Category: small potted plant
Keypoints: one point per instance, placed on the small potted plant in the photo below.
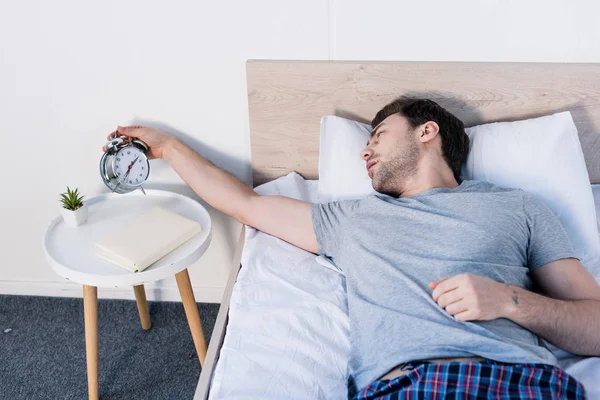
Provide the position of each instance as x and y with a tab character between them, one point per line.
74	210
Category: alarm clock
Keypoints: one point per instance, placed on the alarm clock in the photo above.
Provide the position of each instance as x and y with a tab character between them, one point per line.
124	166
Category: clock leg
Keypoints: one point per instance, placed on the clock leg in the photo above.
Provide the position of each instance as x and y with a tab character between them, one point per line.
142	305
90	308
191	311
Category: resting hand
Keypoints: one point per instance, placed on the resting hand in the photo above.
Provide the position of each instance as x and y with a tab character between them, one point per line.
155	139
470	297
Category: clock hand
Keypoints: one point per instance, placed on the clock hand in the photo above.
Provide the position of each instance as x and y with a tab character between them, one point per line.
128	171
133	162
129	168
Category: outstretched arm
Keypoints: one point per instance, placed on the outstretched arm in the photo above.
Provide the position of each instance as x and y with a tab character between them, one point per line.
283	217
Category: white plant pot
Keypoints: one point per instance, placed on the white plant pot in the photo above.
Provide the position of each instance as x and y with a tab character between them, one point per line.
75	218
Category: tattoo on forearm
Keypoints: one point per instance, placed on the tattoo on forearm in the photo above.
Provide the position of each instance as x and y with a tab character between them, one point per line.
515	296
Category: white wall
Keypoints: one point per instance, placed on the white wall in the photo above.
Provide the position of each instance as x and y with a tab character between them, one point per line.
70	71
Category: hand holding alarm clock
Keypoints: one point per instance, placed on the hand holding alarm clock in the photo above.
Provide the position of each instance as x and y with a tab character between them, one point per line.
125	164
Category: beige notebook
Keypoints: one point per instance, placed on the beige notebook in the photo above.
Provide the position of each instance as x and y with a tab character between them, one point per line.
147	238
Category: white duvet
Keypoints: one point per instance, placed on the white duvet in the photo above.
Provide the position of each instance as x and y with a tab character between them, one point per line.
287	335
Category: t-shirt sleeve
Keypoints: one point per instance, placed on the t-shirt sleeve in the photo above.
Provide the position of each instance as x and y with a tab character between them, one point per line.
329	223
548	240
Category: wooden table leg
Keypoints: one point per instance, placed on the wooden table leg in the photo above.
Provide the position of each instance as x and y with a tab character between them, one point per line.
90	308
142	305
191	311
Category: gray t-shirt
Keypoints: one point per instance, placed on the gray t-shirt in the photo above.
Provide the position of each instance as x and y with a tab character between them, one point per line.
391	248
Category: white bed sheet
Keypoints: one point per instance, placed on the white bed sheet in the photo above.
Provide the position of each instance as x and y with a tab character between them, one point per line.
287	335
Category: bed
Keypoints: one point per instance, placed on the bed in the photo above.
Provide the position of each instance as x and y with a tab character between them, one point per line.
282	327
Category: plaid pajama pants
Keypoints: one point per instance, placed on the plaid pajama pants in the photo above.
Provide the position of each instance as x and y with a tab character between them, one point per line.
486	379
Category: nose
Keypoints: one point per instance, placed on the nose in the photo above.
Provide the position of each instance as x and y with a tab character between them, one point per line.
366	153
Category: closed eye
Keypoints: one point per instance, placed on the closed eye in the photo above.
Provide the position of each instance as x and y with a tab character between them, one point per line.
376	136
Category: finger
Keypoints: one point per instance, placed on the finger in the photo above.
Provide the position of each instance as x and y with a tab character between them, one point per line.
445	286
464	316
127	130
457	307
434	284
449	298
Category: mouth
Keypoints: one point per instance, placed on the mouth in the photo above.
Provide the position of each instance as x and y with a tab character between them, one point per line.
370	165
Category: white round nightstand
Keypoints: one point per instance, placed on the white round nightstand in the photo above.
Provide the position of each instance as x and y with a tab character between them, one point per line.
70	252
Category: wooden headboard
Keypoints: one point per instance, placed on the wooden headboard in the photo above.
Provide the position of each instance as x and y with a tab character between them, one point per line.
287	99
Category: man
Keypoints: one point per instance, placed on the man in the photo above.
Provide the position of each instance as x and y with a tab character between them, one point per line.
438	272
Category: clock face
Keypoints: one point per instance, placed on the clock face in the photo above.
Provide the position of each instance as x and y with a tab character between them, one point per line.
131	166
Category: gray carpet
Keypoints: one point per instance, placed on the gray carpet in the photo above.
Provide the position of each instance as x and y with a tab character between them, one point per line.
43	356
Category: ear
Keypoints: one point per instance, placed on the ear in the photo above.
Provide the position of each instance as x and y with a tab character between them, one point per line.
428	131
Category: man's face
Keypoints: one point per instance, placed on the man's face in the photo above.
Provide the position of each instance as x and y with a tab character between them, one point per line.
391	155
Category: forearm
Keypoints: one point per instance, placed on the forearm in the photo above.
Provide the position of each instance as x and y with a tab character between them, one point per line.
217	187
573	325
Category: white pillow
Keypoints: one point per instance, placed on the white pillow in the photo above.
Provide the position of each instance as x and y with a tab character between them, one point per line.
342	172
542	156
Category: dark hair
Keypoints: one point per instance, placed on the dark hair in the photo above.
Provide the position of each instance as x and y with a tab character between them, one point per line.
455	142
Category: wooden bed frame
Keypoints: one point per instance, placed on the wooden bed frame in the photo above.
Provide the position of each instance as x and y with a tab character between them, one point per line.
286	100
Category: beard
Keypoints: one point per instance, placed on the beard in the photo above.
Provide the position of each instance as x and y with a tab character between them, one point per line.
393	173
